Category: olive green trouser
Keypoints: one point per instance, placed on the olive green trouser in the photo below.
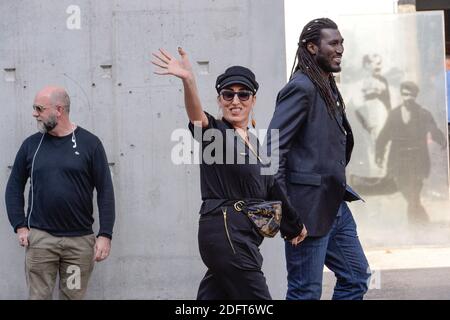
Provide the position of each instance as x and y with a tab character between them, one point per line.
47	255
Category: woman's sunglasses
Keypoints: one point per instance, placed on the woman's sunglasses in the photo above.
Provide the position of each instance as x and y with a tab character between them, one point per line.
228	95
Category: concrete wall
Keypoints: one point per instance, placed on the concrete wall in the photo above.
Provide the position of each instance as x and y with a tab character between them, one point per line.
105	67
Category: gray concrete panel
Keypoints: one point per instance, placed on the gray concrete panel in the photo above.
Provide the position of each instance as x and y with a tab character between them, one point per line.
105	67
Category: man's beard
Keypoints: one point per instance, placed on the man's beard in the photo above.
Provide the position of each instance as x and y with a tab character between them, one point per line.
325	64
48	125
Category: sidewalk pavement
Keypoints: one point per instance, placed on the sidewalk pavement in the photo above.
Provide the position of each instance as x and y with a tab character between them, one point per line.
418	273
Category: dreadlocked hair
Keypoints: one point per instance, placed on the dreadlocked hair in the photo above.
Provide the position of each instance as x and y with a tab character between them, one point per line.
306	64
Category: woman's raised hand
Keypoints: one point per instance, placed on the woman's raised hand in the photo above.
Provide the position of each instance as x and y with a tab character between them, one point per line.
181	68
170	66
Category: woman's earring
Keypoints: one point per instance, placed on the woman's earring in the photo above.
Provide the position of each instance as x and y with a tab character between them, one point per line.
253	120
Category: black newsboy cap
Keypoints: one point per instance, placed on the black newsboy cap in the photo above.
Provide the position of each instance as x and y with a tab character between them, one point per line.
237	75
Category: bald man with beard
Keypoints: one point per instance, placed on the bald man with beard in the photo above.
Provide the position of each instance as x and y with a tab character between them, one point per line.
64	163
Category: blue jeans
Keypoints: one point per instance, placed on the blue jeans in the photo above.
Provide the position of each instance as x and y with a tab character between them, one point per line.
340	250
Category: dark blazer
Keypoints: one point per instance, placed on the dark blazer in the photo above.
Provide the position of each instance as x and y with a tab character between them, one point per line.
314	149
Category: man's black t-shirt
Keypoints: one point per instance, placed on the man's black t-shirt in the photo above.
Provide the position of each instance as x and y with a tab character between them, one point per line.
65	173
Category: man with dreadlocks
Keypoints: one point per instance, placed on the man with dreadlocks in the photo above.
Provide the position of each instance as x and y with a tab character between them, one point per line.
314	147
